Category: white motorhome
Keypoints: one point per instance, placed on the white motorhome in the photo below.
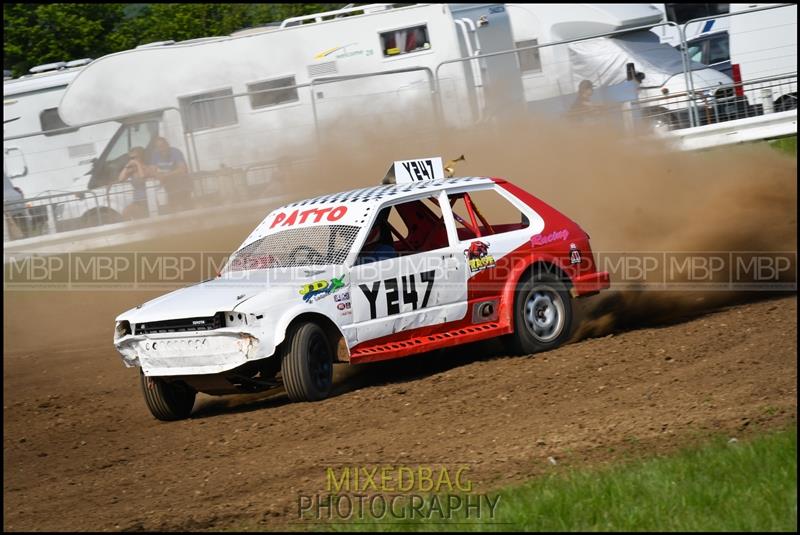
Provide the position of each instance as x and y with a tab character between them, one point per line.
59	158
298	66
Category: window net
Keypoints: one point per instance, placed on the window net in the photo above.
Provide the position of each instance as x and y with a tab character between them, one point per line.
311	246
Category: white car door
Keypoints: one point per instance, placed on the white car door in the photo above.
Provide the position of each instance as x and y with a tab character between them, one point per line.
414	288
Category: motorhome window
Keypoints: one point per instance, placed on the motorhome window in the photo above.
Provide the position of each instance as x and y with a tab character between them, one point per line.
51	120
718	50
682	13
397	42
209	110
270	93
696	52
529	60
133	135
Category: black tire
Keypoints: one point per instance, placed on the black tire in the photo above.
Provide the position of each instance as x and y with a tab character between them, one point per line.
307	363
167	401
542	315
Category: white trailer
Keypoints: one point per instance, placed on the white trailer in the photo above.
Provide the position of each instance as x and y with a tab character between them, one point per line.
764	45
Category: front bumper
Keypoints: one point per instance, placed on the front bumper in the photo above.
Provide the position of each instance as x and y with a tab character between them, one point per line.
189	353
590	284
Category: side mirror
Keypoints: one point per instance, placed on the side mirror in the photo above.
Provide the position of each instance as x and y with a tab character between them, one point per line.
631	74
630	71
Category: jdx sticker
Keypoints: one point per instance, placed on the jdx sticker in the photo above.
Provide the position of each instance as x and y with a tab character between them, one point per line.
394	291
315	291
478	256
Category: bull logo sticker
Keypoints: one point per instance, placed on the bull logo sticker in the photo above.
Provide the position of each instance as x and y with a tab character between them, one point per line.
314	291
478	257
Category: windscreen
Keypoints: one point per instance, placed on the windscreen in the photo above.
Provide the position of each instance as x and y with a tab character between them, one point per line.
310	246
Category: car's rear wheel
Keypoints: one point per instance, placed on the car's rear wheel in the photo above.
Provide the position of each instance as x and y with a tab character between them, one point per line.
307	363
167	400
542	314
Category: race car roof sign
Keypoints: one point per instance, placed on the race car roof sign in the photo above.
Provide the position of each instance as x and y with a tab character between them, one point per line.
406	171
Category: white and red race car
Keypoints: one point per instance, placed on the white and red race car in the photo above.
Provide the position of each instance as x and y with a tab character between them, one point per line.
360	276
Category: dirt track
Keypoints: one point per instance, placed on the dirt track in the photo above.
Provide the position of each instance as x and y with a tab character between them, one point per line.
81	451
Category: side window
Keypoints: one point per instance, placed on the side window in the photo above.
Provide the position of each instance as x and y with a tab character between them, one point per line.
208	110
122	144
397	42
51	120
484	213
404	229
718	50
529	60
133	135
271	92
696	52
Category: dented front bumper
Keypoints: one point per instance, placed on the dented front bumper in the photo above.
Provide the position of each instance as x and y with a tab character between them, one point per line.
189	353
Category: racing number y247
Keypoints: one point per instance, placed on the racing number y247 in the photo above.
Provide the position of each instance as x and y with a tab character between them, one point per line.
394	291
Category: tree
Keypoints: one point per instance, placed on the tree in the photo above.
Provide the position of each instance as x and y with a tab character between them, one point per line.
45	33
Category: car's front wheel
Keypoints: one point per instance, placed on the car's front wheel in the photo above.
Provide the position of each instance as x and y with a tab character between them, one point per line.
542	315
307	363
167	400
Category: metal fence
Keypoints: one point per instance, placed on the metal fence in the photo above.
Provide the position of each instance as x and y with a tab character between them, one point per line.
259	158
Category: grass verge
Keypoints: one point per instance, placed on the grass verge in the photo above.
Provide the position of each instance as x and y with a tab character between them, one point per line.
723	486
786	144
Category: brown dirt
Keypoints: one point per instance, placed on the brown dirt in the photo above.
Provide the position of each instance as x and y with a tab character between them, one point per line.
81	451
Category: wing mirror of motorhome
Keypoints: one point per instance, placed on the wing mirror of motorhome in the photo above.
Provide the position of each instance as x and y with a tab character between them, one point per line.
631	74
14	162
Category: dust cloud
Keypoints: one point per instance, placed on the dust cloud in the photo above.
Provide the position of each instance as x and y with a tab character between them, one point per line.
631	195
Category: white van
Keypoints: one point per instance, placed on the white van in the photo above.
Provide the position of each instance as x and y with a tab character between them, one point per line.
629	66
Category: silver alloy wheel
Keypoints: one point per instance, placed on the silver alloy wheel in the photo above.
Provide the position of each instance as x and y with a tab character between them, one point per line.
544	313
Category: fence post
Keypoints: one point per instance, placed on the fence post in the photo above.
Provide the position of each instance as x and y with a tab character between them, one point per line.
51	219
687	77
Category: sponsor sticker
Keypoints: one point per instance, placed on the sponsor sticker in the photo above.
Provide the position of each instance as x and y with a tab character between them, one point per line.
310	215
574	254
316	290
478	257
544	239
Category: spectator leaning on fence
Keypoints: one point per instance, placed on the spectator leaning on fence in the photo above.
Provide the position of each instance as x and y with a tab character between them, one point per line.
171	170
137	172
